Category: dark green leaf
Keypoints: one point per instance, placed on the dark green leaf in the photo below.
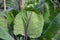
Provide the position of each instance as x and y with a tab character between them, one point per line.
11	15
53	27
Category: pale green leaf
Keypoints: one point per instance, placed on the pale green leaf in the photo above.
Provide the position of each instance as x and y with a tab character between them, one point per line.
3	22
34	21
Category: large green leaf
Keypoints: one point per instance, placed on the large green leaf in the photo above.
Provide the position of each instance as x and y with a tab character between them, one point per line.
36	24
28	21
53	27
18	25
4	35
50	13
3	22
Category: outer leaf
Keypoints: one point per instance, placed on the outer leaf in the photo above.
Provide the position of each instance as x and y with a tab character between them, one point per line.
4	35
53	27
46	16
3	22
52	10
36	23
18	25
50	13
10	15
47	13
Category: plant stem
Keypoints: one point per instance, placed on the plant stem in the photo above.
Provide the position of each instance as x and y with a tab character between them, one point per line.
26	31
22	4
4	5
